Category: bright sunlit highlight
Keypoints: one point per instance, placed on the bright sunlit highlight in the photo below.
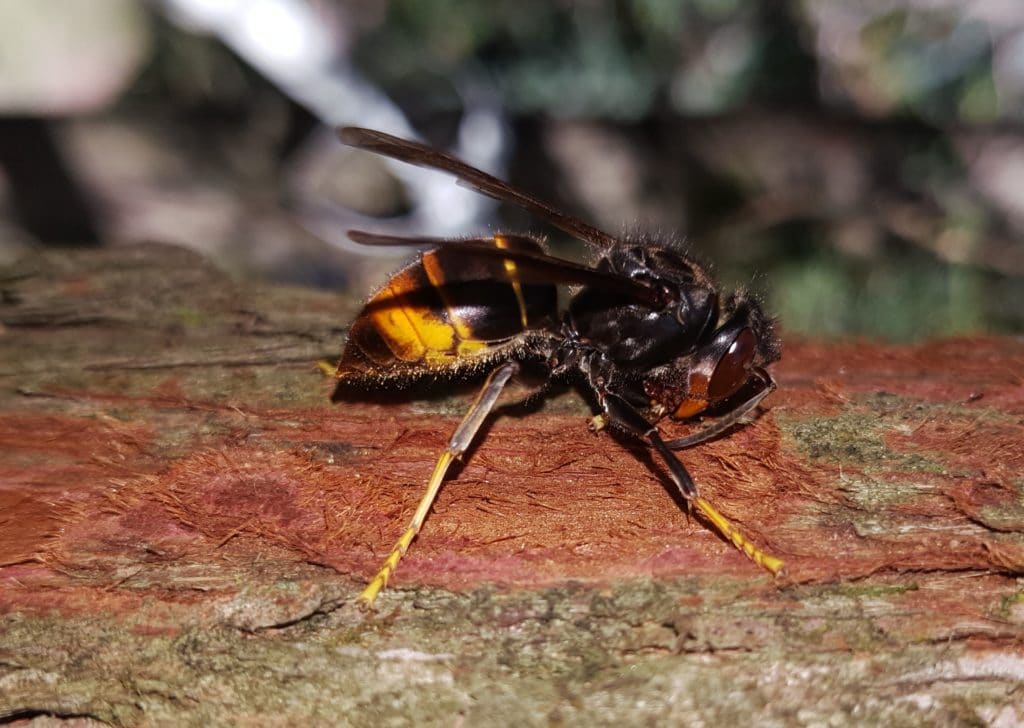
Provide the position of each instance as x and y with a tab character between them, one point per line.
276	28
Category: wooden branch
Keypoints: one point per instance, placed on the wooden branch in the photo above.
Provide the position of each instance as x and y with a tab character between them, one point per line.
185	521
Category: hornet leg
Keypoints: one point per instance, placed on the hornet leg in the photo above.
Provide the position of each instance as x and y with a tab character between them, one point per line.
723	423
460	441
621	413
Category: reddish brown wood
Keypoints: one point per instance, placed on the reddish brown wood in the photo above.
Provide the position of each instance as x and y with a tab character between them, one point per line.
168	451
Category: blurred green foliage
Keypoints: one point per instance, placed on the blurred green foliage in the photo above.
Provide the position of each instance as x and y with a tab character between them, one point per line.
614	60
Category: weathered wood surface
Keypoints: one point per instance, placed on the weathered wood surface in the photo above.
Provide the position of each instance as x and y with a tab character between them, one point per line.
185	521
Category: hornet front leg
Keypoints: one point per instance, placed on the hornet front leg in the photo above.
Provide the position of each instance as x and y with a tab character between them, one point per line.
620	413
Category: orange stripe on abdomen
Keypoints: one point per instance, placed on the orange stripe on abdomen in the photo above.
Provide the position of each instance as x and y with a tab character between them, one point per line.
435	274
412	328
517	288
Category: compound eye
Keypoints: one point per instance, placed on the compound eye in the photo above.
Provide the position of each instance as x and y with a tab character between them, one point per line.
733	369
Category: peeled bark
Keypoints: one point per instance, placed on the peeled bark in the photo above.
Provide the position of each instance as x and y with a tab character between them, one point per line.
185	522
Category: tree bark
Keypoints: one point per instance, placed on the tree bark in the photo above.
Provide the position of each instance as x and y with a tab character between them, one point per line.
186	521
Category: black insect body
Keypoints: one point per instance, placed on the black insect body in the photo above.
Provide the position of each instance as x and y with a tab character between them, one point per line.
648	332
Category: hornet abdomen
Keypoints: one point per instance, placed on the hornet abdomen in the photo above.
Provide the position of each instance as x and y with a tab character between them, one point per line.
445	312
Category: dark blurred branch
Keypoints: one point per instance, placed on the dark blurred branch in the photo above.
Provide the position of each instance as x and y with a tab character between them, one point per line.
47	198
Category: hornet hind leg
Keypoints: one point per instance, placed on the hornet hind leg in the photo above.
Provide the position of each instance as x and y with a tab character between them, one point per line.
460	441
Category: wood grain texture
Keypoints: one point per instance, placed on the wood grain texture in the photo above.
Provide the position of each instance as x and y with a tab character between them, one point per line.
185	522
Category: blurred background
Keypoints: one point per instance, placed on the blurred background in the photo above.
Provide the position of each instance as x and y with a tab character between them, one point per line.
861	165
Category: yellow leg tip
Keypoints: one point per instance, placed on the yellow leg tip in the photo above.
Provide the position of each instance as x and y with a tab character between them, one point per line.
369	594
759	557
390	564
775	565
326	368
